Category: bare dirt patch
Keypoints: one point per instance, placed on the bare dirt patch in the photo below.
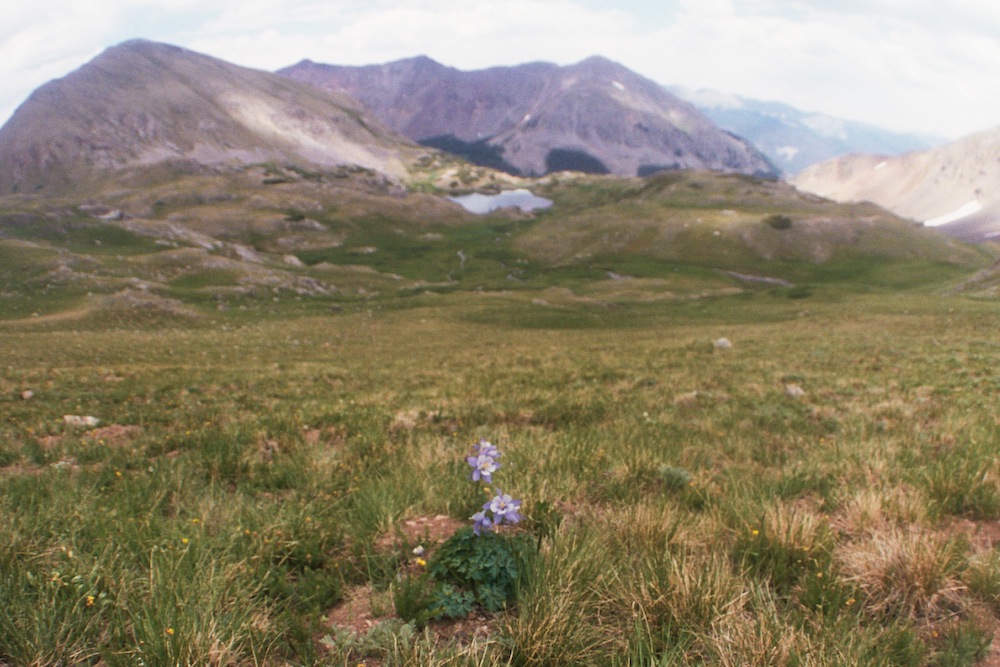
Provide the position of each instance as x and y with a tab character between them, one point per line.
363	607
116	435
982	535
423	531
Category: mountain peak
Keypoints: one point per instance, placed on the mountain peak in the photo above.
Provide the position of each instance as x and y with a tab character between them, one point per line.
599	62
596	115
140	103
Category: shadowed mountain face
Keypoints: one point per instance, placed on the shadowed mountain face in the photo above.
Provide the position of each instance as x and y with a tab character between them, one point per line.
595	116
143	103
953	187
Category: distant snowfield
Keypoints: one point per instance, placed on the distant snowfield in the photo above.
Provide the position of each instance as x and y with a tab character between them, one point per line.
963	211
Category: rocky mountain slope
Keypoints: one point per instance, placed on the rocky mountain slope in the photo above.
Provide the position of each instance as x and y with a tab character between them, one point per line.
793	139
143	103
953	187
595	116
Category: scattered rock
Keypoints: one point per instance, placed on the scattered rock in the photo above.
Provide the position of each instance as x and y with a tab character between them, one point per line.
794	391
292	260
247	254
77	420
27	395
722	344
112	216
686	399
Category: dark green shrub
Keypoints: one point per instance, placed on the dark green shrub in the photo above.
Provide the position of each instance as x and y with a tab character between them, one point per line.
778	221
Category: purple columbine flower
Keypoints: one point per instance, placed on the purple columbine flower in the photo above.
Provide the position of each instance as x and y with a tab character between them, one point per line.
483	468
481	522
504	508
485	448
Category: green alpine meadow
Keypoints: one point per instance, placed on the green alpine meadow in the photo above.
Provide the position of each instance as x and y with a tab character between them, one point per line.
712	468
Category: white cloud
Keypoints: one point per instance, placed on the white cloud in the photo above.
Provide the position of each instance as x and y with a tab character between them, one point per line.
912	64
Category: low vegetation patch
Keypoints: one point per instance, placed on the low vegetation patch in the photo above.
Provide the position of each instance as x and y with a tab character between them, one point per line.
291	454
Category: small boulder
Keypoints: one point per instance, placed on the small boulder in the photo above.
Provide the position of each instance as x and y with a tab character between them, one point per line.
722	344
77	420
794	391
27	395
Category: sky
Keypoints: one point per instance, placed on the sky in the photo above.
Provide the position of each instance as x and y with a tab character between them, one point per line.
909	65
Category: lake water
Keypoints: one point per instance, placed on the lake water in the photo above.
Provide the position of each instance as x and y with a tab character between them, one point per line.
521	198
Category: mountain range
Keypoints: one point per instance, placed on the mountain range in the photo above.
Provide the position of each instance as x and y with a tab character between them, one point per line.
953	187
793	139
595	116
154	177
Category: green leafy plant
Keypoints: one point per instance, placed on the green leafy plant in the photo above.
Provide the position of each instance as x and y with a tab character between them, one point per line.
486	566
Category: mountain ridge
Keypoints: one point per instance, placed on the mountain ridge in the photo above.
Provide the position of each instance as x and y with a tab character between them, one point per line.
794	139
536	118
951	186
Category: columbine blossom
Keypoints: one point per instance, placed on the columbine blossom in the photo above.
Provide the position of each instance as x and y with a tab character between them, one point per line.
485	448
483	467
481	522
504	508
499	509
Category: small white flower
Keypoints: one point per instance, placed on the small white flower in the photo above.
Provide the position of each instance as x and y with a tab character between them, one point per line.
418	551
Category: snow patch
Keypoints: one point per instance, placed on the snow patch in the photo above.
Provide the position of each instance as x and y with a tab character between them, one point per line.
963	211
617	85
881	165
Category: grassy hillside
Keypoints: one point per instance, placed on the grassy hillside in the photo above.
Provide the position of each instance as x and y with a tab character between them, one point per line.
281	239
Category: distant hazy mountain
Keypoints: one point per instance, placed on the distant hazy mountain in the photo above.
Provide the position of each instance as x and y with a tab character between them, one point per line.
956	186
794	139
595	116
143	103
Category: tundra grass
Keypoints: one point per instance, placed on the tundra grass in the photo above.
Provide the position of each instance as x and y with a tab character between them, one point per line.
824	492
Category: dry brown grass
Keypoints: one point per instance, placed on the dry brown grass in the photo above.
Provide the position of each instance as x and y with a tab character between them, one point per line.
912	573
